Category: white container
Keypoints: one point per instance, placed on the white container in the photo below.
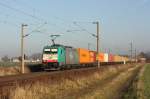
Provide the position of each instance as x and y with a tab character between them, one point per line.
106	57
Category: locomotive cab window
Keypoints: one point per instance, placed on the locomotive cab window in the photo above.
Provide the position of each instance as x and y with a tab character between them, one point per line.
50	51
47	51
54	51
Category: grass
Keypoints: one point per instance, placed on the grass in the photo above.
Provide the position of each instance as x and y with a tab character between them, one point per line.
140	88
11	64
113	89
10	68
13	68
74	88
132	89
8	64
146	82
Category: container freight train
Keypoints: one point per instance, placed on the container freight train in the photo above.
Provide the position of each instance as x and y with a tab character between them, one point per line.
59	56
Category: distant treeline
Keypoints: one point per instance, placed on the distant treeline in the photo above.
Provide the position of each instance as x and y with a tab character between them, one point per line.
34	56
145	55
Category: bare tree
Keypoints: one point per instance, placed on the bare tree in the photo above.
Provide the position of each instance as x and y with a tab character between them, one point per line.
5	58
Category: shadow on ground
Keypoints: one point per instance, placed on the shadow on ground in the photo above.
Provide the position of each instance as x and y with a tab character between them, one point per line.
35	67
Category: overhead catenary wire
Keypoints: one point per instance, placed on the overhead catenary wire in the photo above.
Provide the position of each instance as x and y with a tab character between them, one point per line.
20	11
77	30
29	15
37	29
38	19
24	4
33	16
75	24
9	23
83	29
18	20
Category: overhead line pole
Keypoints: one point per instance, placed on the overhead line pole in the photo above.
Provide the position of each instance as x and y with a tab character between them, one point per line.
98	43
22	47
88	46
135	57
97	36
131	52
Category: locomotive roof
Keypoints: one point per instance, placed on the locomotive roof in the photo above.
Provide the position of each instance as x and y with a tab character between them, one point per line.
53	46
57	45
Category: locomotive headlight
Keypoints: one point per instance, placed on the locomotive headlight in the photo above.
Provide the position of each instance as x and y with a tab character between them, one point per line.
54	50
47	49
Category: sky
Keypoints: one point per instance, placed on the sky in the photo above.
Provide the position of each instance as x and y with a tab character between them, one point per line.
121	22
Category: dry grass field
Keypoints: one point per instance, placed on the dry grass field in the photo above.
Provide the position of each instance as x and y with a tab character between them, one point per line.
10	68
107	84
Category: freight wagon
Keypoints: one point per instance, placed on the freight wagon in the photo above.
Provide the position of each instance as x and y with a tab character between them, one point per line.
59	56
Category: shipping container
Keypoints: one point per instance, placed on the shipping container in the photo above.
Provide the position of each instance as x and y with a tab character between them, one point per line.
92	56
71	56
118	58
101	57
125	59
106	57
84	55
110	58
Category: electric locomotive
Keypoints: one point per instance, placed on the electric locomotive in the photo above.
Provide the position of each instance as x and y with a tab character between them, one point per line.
58	56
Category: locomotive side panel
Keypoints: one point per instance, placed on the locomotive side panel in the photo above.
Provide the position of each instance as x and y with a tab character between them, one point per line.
61	56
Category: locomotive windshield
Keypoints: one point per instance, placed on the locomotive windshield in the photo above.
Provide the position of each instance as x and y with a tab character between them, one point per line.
50	51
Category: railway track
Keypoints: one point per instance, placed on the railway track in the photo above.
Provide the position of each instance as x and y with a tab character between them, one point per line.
8	83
